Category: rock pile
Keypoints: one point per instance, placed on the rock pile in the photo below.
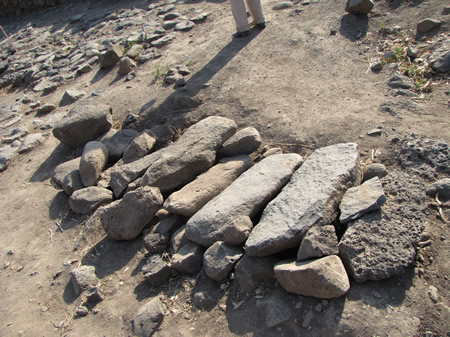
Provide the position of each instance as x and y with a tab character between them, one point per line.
230	213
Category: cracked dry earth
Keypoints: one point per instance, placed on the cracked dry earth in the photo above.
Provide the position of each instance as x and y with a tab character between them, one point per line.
304	82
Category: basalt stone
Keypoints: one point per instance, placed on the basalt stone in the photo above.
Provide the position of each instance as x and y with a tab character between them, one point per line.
374	170
179	163
311	198
246	196
112	56
72	182
148	318
440	188
322	278
139	147
359	6
206	186
156	271
250	272
245	141
377	246
117	141
188	259
93	161
319	241
361	199
124	219
83	124
83	277
220	259
62	170
87	200
237	231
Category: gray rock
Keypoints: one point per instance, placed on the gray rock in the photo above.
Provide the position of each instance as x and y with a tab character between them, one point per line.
124	219
250	271
377	65
188	259
322	278
72	182
62	170
318	241
220	259
155	242
400	82
413	52
87	200
426	25
206	186
156	271
139	147
117	141
148	318
237	231
374	170
171	16
6	153
359	6
178	240
83	277
93	161
135	51
94	295
31	142
82	311
433	294
126	65
310	198
173	78
71	96
83	123
376	247
169	24
204	300
442	187
440	58
163	40
282	5
150	54
169	224
191	154
112	57
246	196
361	199
184	26
166	9
45	109
277	311
245	141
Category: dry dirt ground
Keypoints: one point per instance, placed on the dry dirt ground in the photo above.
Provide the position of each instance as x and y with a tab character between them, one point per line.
303	82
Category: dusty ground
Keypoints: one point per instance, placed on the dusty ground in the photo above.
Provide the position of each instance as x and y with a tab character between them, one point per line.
302	87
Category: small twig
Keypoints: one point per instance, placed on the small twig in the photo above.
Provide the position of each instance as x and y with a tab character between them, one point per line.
59	226
51	235
12	45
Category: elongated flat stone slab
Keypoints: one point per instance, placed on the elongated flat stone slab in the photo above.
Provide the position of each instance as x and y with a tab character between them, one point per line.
180	162
310	198
206	186
247	195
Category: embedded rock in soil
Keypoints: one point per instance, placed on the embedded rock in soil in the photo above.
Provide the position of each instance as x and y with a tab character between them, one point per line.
124	219
440	58
318	241
83	277
83	124
156	271
374	170
93	161
148	318
250	271
87	200
112	56
442	187
361	199
94	294
219	260
322	278
31	141
426	25
246	196
179	163
377	246
310	198
188	259
206	186
71	96
245	141
126	65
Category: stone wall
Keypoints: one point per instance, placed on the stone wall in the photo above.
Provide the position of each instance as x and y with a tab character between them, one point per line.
16	7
